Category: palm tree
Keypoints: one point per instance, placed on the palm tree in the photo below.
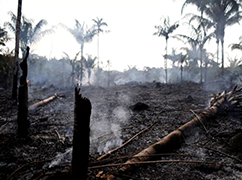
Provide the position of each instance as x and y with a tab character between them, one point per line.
197	42
90	64
73	63
165	30
82	35
221	13
29	34
97	28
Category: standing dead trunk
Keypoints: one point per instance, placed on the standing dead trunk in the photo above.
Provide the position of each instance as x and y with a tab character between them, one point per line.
80	153
201	65
181	72
23	123
165	62
17	36
217	41
222	44
82	60
219	104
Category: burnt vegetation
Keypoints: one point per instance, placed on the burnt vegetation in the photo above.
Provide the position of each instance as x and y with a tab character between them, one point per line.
75	118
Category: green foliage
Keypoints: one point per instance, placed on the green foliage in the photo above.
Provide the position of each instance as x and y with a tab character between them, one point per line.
237	46
29	34
219	15
165	29
82	33
6	62
98	23
3	37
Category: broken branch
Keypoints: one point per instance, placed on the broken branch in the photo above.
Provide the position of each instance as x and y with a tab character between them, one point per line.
220	152
110	152
151	162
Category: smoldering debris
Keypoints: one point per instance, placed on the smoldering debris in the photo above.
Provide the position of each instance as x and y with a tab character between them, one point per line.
61	158
106	129
111	114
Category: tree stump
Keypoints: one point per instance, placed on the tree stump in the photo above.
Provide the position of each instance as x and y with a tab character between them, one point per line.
22	119
80	153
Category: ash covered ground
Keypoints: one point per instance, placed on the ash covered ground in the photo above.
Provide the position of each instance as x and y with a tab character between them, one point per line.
46	153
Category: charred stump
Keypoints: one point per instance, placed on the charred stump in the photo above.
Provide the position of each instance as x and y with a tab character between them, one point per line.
22	119
80	153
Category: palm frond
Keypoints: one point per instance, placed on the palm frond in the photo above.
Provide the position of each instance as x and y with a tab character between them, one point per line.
187	39
13	17
39	25
98	24
234	19
76	56
236	46
10	26
66	55
231	7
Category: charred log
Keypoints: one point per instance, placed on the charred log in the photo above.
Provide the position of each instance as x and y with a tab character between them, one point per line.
23	123
81	142
219	104
33	108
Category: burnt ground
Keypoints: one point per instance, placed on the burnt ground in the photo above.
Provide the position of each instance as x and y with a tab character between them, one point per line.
46	152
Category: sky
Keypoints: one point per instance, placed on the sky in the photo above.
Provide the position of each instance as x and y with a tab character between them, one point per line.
128	39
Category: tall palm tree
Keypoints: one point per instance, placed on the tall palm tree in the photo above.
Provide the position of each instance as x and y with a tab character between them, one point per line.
82	35
197	42
98	23
29	34
221	13
164	30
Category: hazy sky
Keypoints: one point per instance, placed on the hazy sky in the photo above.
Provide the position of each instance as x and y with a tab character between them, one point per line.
130	40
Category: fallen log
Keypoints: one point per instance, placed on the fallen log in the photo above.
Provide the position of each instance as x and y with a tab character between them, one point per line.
219	104
37	105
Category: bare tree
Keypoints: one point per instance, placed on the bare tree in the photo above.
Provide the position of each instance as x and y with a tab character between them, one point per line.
16	67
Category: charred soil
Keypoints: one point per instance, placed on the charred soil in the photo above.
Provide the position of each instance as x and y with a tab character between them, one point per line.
118	113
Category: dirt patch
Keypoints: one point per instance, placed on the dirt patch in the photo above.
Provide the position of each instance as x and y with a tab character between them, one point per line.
46	153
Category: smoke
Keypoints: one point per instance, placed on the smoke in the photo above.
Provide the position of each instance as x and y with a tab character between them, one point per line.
62	157
106	129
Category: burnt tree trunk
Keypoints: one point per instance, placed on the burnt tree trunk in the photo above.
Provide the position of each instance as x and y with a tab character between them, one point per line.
219	104
17	36
22	118
80	153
